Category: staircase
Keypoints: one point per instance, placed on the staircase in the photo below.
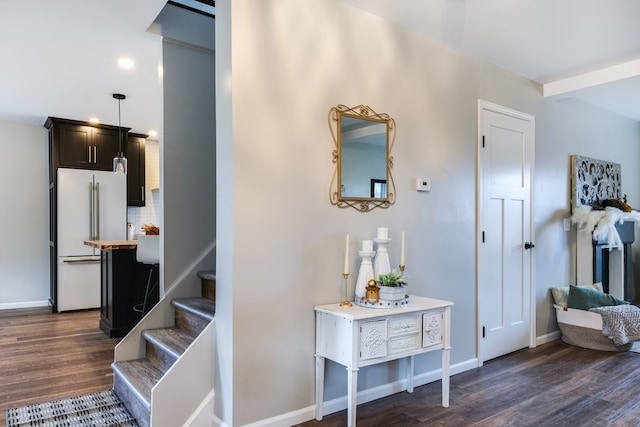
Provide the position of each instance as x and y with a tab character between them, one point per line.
134	380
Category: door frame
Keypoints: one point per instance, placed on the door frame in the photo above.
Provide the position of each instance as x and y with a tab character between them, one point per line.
489	106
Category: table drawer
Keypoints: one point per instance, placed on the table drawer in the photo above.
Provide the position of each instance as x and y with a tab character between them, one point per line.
400	325
404	343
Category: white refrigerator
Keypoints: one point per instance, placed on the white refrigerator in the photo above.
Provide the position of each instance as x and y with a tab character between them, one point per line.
92	205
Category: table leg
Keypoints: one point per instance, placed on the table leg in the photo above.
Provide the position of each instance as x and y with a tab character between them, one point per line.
410	375
319	386
445	377
352	384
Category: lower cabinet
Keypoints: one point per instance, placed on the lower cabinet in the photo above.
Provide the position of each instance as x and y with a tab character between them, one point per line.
122	286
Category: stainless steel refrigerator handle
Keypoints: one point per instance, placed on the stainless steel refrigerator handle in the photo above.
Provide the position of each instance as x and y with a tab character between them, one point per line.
90	210
78	260
97	211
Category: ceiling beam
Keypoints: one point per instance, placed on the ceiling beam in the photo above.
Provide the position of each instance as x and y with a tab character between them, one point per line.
592	78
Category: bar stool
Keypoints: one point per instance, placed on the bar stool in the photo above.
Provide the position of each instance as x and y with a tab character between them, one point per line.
148	253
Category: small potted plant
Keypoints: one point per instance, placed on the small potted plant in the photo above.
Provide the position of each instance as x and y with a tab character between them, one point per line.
392	286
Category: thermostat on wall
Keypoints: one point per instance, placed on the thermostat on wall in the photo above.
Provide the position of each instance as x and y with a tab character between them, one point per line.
423	184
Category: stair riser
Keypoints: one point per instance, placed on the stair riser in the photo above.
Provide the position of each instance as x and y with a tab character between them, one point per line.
159	357
132	401
209	289
189	322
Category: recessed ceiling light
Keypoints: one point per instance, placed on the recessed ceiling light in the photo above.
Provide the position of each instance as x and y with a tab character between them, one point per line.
94	120
126	63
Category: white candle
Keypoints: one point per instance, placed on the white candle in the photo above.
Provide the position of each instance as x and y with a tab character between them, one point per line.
346	256
367	246
383	232
402	250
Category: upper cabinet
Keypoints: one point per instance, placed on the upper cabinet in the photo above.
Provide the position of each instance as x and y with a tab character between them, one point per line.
136	169
82	145
75	144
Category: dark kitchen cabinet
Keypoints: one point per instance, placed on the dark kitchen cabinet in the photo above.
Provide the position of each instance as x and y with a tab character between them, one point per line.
136	169
76	144
122	285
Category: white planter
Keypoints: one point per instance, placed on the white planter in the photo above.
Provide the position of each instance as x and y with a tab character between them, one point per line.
390	293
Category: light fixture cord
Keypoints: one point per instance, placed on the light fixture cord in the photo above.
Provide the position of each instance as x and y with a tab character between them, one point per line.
119	129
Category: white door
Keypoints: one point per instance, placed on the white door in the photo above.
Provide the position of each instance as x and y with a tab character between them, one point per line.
505	156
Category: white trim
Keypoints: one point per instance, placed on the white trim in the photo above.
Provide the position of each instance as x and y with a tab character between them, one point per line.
551	336
364	396
187	272
489	106
24	304
203	416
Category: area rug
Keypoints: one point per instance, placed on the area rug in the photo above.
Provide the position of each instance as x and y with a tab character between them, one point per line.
101	409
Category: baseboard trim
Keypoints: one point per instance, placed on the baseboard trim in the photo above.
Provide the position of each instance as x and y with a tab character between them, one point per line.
552	336
25	304
364	396
203	416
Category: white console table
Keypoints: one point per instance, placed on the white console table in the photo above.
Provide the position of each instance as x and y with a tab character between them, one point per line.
358	336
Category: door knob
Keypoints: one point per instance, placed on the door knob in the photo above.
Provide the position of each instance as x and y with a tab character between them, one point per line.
529	245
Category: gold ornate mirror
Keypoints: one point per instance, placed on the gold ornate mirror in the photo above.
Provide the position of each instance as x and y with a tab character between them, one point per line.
363	141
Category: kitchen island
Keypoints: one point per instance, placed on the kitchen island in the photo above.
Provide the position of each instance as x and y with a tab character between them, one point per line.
123	282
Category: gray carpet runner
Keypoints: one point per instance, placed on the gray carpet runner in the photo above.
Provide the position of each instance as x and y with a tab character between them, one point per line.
101	409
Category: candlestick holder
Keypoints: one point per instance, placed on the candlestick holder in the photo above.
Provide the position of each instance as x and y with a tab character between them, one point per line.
346	302
381	264
401	267
364	274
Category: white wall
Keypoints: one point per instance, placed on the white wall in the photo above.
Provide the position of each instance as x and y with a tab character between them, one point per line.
24	215
282	64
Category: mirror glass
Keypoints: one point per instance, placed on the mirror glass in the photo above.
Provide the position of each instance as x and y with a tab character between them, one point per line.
363	158
363	140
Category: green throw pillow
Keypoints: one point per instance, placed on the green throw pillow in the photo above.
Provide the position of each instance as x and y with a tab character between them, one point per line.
584	298
561	294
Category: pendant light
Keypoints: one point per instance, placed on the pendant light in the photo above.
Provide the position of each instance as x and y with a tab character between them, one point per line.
119	161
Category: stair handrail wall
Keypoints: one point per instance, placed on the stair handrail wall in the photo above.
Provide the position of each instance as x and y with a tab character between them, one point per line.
182	389
132	346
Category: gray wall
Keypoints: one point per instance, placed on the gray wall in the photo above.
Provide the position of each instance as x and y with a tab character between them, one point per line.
187	149
282	65
24	215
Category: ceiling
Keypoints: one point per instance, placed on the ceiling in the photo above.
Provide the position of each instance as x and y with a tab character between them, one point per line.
60	58
589	49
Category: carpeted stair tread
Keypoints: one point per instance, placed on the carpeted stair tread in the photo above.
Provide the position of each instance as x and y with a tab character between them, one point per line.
197	306
140	375
171	340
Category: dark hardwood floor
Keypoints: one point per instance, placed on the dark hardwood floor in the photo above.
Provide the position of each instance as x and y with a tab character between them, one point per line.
45	356
554	384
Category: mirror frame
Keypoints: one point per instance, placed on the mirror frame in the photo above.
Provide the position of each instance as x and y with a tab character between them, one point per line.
363	204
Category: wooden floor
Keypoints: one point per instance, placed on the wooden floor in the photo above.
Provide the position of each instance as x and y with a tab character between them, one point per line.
552	385
45	356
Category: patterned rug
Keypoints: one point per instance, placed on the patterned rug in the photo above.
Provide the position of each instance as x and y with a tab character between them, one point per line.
102	409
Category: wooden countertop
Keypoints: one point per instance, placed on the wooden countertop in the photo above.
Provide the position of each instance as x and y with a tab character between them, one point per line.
107	245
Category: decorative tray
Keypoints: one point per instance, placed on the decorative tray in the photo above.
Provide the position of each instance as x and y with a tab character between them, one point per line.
382	303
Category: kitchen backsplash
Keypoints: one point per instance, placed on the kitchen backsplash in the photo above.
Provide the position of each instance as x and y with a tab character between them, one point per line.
149	214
